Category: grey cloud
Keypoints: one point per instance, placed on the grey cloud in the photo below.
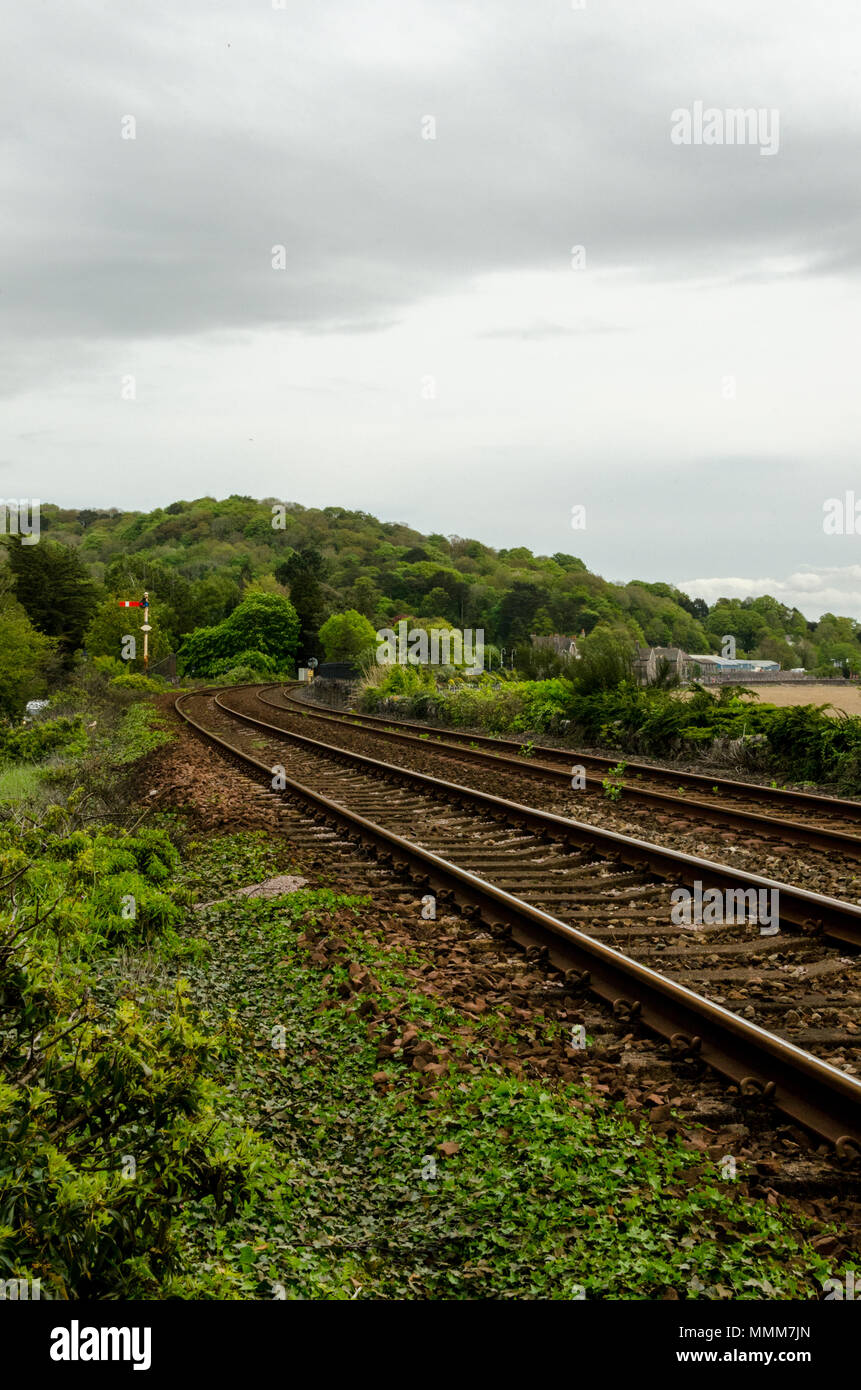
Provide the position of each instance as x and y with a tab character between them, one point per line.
302	128
552	130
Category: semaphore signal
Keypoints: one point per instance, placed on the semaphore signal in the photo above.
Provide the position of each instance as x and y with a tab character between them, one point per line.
145	626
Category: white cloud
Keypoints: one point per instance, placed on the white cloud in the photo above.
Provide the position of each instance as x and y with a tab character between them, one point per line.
834	590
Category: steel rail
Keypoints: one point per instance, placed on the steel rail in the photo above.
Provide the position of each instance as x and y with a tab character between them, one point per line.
804	909
816	837
811	1092
810	801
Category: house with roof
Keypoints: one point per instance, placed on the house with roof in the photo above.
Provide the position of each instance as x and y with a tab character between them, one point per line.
648	661
556	642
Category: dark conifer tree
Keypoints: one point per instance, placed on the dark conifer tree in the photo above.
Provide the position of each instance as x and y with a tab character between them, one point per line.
54	589
303	572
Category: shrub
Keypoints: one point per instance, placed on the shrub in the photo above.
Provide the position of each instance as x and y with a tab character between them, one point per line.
606	661
243	675
264	623
32	742
804	743
347	637
136	680
107	1122
257	662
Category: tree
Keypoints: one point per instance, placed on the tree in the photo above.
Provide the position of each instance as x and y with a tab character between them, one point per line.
53	588
542	623
266	623
606	659
129	575
830	629
302	573
104	636
517	610
847	653
775	649
347	637
435	601
364	596
731	618
24	655
568	562
213	598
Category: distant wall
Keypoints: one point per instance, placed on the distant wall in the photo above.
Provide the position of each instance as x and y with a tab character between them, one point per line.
763	677
337	694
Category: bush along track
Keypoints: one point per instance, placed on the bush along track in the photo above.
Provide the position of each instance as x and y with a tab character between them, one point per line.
803	743
107	1118
205	1095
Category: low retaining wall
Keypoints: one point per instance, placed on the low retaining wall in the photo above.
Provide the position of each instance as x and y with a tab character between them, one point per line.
336	694
770	677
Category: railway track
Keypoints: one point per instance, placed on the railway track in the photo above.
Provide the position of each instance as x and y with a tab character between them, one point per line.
772	1012
830	824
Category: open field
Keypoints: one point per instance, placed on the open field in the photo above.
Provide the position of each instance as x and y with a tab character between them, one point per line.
845	698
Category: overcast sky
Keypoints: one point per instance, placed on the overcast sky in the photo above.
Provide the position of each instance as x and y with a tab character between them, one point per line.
432	351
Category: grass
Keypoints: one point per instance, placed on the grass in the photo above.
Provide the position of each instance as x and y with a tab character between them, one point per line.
20	783
141	731
114	740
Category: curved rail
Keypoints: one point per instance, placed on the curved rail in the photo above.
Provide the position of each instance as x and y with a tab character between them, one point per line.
812	1092
799	906
468	748
785	794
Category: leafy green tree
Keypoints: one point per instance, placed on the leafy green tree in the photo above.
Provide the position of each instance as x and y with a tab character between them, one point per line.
831	629
266	623
606	660
774	649
730	617
128	576
347	637
517	610
24	659
55	591
542	623
847	653
568	562
213	599
104	636
365	597
435	601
